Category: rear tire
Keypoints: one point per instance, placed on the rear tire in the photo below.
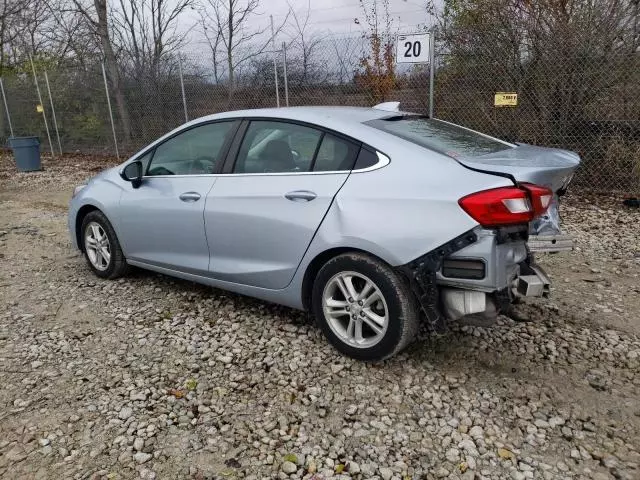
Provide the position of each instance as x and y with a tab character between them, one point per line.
364	308
101	247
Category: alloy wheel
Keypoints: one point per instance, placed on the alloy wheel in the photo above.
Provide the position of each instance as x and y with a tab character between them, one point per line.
97	246
355	309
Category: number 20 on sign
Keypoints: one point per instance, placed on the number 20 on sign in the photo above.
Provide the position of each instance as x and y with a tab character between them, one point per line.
413	48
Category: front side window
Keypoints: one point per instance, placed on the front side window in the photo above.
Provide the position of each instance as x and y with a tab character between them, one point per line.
443	137
195	151
277	147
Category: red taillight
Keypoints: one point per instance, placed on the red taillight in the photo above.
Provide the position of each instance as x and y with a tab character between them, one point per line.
507	205
540	196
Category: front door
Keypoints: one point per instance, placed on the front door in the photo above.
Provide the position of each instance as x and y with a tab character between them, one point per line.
162	221
261	218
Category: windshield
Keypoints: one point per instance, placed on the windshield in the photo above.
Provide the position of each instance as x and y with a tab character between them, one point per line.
443	137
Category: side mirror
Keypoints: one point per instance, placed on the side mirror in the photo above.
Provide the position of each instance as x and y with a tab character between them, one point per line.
133	173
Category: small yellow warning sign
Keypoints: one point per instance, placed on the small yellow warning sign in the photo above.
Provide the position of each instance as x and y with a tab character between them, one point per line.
506	99
39	108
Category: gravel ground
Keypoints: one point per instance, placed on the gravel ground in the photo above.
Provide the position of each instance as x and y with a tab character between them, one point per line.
152	377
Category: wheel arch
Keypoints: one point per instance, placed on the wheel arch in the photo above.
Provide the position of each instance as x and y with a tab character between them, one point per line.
82	213
316	264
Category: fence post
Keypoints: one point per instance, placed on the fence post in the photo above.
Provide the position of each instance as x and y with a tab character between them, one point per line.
44	115
432	68
184	98
6	107
53	111
275	65
113	125
284	66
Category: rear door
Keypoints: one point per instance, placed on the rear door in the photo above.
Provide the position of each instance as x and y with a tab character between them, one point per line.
262	215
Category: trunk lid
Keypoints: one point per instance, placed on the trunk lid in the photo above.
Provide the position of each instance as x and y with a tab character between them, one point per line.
548	167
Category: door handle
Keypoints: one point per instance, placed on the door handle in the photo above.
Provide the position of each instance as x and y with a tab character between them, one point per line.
300	196
190	197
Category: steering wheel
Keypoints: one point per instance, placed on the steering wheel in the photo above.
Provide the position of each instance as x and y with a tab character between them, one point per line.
201	165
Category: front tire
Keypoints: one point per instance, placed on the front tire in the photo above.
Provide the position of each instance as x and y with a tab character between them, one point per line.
364	308
101	247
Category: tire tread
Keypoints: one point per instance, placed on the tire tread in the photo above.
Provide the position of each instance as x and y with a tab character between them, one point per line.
408	317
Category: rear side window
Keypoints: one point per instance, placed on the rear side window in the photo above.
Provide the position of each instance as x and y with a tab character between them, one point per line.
366	159
277	147
440	136
335	155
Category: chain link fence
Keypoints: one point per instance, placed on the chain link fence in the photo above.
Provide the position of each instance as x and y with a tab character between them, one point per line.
589	105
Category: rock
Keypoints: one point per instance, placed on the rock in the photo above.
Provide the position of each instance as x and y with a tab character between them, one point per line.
125	413
468	475
476	432
141	457
453	455
442	472
556	421
467	445
16	454
138	444
336	368
147	474
139	396
368	470
385	473
288	467
353	468
541	423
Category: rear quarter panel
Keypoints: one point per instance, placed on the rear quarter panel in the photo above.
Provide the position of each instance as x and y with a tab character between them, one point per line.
404	210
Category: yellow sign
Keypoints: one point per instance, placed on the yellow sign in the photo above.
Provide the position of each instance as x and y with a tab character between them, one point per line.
39	108
506	99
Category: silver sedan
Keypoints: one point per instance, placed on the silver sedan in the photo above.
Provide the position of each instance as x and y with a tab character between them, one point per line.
373	219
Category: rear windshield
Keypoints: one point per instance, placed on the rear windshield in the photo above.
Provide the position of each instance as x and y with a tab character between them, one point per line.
440	136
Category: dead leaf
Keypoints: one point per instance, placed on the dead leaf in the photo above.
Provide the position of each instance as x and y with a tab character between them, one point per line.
506	454
176	392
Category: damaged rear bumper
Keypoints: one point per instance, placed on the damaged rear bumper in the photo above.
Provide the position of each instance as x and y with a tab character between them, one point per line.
479	273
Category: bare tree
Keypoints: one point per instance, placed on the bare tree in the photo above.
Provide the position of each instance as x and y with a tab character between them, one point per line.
306	44
147	33
11	27
97	18
214	42
348	53
239	42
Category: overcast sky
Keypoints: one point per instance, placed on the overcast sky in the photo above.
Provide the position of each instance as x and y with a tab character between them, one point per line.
337	16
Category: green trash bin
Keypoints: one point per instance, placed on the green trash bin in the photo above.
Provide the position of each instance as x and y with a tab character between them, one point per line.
26	151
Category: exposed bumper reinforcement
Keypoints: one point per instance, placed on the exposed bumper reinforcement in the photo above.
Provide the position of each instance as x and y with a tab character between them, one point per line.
421	273
550	243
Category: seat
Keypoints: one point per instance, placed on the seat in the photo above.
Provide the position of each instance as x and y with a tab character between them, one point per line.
278	157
